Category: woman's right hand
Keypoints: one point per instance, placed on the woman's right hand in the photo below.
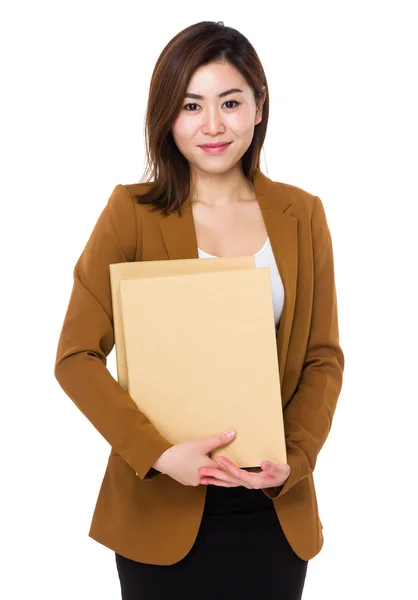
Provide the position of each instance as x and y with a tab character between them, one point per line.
183	461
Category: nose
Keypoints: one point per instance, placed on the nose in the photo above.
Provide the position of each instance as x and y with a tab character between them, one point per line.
212	121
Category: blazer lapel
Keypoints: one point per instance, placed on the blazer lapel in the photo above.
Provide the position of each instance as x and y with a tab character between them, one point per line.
180	240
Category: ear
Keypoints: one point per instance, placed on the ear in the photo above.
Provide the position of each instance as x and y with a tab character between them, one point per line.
259	112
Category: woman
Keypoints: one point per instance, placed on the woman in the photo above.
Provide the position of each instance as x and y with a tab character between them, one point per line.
178	521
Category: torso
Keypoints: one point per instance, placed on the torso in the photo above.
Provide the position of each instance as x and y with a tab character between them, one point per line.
237	229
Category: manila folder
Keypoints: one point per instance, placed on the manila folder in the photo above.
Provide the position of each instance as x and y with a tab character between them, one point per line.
202	358
160	268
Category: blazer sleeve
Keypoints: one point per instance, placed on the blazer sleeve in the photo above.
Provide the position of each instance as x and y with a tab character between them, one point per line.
308	415
87	337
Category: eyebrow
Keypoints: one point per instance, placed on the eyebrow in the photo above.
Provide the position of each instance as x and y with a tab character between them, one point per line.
221	95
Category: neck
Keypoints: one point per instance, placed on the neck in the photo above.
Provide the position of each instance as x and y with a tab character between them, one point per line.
221	189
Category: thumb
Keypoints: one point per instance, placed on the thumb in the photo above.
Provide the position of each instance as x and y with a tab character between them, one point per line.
218	441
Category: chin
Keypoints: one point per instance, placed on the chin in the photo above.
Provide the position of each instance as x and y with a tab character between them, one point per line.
213	169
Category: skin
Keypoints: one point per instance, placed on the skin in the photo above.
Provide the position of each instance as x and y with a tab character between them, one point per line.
218	182
218	179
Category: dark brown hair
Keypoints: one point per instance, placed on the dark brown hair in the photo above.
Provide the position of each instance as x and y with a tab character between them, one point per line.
197	45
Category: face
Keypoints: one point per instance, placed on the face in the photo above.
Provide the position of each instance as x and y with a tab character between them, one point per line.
209	115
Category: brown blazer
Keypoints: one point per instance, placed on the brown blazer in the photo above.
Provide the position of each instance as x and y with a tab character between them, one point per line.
150	517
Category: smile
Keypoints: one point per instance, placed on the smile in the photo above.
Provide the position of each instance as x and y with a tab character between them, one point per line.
215	149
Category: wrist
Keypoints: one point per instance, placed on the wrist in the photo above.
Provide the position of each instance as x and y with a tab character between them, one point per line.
158	465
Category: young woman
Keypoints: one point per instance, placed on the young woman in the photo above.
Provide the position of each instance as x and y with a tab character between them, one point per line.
179	522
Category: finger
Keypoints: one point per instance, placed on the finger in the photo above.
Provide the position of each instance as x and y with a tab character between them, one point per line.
235	471
275	470
223	475
220	467
212	443
210	462
272	477
218	482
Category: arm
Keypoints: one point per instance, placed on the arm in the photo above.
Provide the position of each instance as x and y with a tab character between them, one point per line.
87	338
309	413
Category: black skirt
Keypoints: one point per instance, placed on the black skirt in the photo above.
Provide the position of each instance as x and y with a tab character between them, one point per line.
240	552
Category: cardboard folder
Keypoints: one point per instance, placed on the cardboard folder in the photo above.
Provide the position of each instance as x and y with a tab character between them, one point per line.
159	268
201	357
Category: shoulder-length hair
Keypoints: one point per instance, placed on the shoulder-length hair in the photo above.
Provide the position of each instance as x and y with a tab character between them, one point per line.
199	44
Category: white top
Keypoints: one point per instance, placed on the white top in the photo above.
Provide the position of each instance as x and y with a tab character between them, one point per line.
265	258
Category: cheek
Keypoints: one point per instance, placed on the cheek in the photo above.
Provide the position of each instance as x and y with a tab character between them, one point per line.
242	124
182	128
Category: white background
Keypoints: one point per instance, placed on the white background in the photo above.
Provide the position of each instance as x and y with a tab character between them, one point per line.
343	126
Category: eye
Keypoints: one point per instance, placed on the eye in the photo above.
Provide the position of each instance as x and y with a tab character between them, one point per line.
226	102
187	105
232	102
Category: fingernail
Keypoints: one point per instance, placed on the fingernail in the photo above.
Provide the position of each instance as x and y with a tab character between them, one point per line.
267	464
230	434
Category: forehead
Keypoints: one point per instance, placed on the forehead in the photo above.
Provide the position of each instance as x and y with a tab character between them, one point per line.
214	78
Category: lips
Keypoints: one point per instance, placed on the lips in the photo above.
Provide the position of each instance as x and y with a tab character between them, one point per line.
215	148
215	145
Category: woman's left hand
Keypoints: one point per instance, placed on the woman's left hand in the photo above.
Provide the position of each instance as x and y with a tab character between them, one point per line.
229	475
